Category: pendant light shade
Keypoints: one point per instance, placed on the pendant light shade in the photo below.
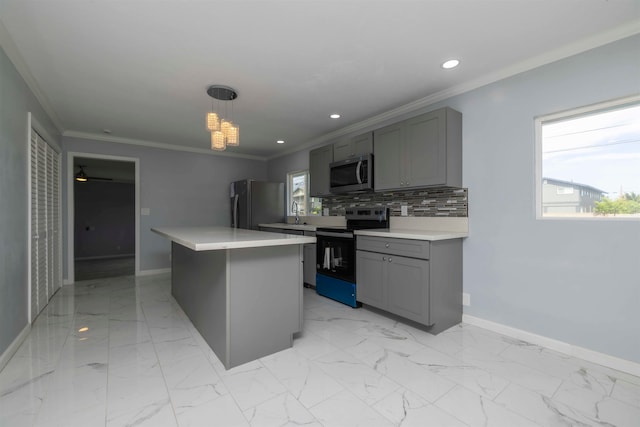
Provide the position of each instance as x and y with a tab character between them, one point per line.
218	141
223	131
233	136
213	122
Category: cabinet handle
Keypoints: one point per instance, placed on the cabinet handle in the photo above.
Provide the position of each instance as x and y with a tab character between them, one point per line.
386	245
389	259
384	258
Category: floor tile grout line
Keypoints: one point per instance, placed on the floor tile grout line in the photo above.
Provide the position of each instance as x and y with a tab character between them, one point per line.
164	378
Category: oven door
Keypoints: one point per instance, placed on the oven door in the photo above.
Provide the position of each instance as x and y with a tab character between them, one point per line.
335	254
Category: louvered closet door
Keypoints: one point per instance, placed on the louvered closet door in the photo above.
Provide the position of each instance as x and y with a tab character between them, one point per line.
45	216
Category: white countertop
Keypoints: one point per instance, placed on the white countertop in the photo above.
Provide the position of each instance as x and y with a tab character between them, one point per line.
286	226
215	238
413	234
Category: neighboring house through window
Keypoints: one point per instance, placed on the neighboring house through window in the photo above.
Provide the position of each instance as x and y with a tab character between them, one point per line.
588	162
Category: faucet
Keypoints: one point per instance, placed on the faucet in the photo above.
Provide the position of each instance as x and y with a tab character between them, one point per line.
294	207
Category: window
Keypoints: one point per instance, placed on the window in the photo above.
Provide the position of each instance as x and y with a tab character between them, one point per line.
588	162
297	191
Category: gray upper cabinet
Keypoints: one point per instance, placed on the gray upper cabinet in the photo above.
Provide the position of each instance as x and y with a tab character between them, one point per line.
353	146
319	160
423	151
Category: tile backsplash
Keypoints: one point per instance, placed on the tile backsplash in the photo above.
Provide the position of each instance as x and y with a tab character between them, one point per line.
441	201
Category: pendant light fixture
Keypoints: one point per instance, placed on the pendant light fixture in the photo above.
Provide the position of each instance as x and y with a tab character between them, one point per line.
223	131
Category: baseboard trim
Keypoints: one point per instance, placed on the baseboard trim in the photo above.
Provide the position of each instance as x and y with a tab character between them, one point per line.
13	347
152	272
603	359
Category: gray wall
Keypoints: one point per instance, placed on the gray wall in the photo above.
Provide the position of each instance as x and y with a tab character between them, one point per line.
573	281
16	100
104	219
180	189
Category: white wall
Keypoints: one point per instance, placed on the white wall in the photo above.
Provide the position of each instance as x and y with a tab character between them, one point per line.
573	281
180	189
16	100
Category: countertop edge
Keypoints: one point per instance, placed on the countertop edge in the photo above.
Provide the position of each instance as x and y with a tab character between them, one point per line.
413	234
276	240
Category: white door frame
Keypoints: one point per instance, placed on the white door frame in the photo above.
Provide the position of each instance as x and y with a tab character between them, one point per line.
71	155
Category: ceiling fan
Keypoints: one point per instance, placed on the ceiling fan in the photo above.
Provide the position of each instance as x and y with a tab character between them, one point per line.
81	176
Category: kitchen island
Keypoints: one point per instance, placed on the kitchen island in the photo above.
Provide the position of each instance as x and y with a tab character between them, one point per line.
242	289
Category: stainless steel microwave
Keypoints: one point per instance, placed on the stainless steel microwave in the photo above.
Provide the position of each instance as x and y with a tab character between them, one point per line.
353	175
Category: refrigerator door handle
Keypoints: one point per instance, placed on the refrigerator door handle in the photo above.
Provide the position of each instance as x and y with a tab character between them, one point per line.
236	201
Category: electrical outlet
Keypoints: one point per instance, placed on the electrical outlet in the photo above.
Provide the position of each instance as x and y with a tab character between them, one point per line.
325	211
404	210
145	211
466	299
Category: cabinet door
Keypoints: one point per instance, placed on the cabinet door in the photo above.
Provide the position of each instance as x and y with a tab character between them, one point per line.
388	169
408	288
352	147
310	264
426	149
342	150
319	160
362	144
370	283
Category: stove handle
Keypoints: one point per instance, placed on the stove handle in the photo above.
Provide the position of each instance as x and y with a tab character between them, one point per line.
348	235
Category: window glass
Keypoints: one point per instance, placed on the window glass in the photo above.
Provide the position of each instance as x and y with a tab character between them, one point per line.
297	195
589	162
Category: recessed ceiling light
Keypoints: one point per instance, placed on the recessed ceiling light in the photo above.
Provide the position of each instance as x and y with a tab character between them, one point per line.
279	141
452	63
335	116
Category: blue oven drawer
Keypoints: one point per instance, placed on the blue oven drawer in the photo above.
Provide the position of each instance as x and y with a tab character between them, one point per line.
336	289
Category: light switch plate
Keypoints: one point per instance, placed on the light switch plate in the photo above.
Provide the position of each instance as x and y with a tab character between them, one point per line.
466	299
404	210
145	211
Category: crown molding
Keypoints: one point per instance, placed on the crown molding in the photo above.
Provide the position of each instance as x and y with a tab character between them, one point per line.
12	52
405	110
153	144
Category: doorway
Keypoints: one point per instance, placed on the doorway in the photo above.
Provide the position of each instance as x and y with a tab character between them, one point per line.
103	224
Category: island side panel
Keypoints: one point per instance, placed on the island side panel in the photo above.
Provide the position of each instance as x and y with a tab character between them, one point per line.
198	283
265	300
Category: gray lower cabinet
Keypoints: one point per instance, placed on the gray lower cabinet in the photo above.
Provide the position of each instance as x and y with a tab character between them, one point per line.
422	151
309	270
417	280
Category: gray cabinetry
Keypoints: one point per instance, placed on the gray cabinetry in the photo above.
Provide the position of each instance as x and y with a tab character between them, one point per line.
353	146
319	160
415	279
309	268
422	151
309	252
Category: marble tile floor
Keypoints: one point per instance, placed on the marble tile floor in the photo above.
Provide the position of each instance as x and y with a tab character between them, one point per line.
140	362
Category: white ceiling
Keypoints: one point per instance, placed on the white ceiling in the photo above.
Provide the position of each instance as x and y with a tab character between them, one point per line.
140	68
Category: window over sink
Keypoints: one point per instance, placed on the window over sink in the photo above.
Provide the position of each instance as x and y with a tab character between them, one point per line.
298	195
587	162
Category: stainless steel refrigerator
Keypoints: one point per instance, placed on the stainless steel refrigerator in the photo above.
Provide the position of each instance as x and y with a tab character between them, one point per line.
256	202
